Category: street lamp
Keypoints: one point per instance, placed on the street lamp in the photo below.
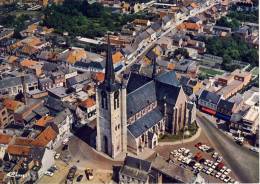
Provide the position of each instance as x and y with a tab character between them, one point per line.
186	132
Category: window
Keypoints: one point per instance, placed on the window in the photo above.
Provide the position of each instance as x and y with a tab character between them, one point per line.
103	100
116	100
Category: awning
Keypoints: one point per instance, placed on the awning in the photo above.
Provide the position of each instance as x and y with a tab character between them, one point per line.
210	111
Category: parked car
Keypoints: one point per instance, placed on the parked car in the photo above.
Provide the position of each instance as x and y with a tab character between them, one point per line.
89	173
57	156
48	173
226	172
218	174
227	179
65	141
215	155
79	178
254	149
72	173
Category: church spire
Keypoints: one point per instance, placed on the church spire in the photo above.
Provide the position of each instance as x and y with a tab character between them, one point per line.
109	72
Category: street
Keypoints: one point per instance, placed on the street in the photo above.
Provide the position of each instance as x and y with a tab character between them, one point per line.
243	163
173	26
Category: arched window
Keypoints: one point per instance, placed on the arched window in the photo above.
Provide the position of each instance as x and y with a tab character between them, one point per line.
116	100
103	100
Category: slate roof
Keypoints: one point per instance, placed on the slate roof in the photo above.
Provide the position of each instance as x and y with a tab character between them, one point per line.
137	163
156	26
61	116
50	67
194	19
14	81
184	80
166	19
79	79
224	104
37	153
138	99
136	168
144	123
168	78
135	81
54	104
209	97
167	92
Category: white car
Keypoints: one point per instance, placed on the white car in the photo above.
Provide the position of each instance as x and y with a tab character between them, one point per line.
227	171
218	174
48	173
181	150
209	171
223	176
180	158
215	155
200	168
219	159
186	152
254	149
227	179
65	141
210	163
57	156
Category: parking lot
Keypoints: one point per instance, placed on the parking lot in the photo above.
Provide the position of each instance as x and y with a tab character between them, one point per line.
59	176
167	152
204	160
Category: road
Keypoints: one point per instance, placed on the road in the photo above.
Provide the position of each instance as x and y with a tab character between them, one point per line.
174	25
243	162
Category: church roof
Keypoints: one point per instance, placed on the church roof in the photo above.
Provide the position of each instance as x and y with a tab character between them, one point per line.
138	99
135	81
167	92
168	78
144	123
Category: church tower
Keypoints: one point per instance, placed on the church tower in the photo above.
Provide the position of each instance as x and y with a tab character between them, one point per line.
111	112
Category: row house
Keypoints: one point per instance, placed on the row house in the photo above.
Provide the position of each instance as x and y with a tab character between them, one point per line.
14	85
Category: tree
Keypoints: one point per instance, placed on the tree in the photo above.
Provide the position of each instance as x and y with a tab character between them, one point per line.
228	22
181	51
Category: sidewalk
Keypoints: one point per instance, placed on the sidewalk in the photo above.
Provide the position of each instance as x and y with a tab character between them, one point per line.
194	137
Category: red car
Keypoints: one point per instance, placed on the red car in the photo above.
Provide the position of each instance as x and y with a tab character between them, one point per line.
198	144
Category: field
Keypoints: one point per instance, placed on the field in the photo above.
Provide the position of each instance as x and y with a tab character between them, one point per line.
210	72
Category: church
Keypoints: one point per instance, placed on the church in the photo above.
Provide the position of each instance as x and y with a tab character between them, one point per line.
132	115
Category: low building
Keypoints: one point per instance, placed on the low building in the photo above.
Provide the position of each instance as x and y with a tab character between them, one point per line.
233	82
135	170
225	109
208	102
13	85
86	111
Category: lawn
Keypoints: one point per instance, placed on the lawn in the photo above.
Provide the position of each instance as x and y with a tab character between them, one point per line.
210	72
255	71
172	138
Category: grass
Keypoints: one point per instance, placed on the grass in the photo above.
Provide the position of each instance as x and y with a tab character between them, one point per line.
177	137
210	72
255	71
